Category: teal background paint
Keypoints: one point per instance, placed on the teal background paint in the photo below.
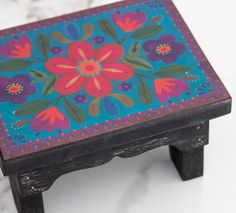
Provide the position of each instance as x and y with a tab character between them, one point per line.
7	109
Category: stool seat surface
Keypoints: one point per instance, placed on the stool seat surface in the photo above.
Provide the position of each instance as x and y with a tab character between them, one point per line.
69	78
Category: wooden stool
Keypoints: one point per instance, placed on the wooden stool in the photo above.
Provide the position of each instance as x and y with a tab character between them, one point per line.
117	80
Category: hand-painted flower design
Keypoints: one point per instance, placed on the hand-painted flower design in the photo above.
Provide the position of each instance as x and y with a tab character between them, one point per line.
19	124
81	99
16	89
56	50
98	39
169	87
19	139
164	49
129	21
19	48
125	86
49	119
109	107
90	69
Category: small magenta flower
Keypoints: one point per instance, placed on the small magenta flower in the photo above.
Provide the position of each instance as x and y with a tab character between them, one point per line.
164	49
56	50
125	86
81	99
129	21
98	39
49	120
169	87
19	48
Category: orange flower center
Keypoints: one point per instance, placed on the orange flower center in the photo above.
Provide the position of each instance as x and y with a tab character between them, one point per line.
90	68
164	49
15	88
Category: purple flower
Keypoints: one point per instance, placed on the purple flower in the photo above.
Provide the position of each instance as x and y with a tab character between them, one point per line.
82	99
164	49
56	50
125	86
16	89
98	39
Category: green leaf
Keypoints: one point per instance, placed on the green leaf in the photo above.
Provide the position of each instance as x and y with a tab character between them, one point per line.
74	111
48	87
32	107
144	92
93	108
146	32
20	123
124	99
38	75
43	45
58	36
190	78
172	71
88	31
135	49
138	63
15	65
107	28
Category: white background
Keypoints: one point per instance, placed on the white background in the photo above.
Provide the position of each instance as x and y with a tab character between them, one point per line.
149	183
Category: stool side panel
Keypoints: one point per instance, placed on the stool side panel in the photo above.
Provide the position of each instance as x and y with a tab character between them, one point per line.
41	179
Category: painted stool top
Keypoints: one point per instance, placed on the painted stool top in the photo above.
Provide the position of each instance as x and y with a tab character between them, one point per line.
72	77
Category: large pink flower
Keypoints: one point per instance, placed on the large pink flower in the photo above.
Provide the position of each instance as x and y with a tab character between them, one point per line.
90	69
19	48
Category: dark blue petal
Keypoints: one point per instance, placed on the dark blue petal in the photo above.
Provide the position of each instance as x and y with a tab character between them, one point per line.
72	31
110	107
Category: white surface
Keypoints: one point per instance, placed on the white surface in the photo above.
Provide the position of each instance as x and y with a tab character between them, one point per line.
149	183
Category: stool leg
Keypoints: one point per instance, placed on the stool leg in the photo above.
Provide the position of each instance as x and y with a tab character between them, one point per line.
188	163
31	204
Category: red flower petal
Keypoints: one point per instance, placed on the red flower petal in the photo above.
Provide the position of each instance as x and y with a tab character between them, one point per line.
69	84
109	53
60	65
118	71
80	50
98	86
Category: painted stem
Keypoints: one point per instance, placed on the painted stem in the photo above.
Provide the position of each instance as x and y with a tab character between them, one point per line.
38	59
143	76
123	39
58	100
